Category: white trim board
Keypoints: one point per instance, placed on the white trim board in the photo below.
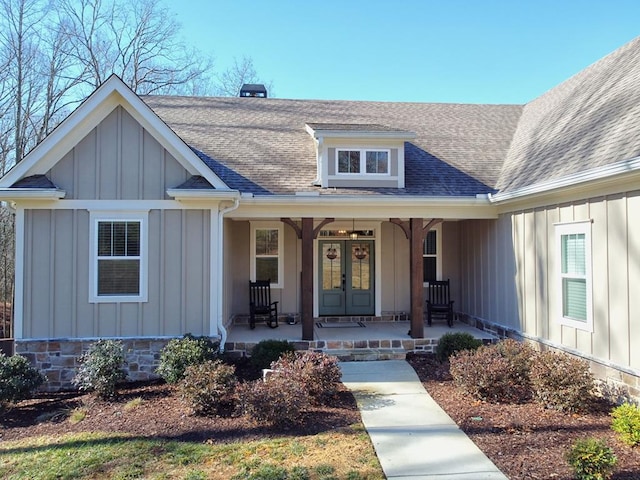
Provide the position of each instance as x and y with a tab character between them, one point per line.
88	115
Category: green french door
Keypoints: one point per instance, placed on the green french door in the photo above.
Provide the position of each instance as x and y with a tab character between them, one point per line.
346	277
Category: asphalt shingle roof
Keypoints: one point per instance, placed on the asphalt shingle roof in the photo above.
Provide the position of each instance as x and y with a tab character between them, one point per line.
261	145
590	120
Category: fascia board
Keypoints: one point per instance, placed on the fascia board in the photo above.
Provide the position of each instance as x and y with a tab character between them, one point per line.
88	115
338	206
199	194
14	194
571	184
356	134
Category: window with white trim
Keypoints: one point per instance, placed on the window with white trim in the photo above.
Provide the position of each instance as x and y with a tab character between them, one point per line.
431	257
362	161
266	253
118	265
574	274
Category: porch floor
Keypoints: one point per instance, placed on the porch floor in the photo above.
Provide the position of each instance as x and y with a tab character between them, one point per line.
377	340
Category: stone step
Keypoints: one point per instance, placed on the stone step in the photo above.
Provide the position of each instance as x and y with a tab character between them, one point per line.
367	354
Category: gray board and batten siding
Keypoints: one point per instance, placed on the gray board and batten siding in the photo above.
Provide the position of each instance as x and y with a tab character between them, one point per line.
517	254
118	160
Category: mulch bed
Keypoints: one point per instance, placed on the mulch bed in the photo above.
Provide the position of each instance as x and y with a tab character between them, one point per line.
526	441
161	414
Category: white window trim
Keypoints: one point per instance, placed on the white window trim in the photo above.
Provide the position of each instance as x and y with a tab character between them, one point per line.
438	230
569	229
363	162
104	216
268	226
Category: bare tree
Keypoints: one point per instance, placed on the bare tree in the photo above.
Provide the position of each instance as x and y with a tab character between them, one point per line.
231	80
136	40
55	53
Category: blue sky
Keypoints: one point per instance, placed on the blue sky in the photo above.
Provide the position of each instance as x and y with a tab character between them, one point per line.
460	51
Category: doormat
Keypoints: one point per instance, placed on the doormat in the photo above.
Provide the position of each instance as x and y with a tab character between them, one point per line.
340	325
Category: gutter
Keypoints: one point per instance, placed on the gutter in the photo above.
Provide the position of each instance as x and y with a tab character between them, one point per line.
315	198
9	194
604	174
220	323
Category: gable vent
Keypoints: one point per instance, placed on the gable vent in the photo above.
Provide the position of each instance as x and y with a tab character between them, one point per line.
253	90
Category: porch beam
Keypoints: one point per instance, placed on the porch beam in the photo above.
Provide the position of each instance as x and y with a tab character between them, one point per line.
307	235
416	278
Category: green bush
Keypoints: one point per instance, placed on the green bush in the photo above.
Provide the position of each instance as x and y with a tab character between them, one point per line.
591	459
268	351
318	373
180	353
451	343
18	379
561	382
209	387
626	422
101	368
273	401
495	373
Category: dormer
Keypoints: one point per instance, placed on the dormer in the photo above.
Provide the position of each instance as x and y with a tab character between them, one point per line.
359	155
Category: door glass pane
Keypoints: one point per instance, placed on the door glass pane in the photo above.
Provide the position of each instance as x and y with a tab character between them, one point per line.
360	266
331	266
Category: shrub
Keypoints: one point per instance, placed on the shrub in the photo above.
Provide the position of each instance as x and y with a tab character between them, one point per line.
496	373
561	382
274	400
101	368
268	351
626	422
451	343
209	387
318	373
180	353
18	379
591	459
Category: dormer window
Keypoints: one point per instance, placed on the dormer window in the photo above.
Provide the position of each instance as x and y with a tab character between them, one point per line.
363	161
359	155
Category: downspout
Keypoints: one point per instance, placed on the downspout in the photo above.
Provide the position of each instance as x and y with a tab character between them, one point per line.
221	213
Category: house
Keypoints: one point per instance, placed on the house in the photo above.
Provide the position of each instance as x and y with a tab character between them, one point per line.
145	218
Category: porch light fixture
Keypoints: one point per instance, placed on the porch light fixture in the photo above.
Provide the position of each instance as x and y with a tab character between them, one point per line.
354	234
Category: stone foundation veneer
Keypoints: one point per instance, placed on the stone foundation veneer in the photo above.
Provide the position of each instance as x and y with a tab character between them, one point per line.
58	359
423	345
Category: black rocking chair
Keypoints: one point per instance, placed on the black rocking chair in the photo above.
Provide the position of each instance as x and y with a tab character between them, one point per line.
260	304
438	303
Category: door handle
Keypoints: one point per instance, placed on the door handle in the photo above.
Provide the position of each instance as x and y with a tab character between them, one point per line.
344	282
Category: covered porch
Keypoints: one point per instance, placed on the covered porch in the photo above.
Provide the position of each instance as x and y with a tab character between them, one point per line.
352	340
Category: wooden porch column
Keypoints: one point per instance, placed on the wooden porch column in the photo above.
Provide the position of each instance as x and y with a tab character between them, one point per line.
416	233
307	234
416	280
307	278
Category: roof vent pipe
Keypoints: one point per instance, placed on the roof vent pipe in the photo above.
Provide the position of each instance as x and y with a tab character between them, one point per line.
253	90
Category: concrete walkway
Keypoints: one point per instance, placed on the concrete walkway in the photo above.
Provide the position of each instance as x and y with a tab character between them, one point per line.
413	437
